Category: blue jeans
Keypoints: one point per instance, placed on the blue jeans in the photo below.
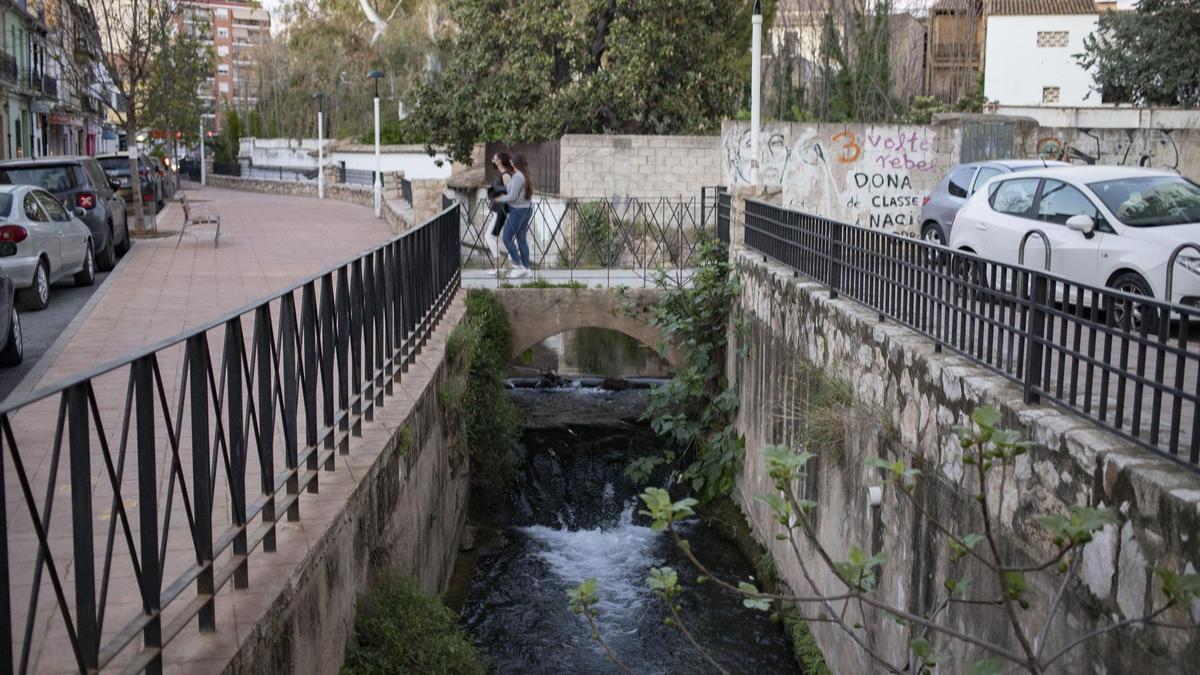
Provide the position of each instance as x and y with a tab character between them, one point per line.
515	235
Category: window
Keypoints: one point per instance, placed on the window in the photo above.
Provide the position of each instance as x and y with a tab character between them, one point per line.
32	210
223	87
222	32
223	50
222	13
960	180
1151	200
56	211
1051	94
985	174
1015	196
1061	201
222	69
1052	38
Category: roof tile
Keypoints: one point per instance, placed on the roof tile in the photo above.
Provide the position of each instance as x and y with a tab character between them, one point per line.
1040	7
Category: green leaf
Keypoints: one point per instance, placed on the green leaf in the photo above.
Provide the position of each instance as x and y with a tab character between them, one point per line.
986	417
966	542
753	599
664	581
1078	526
1182	588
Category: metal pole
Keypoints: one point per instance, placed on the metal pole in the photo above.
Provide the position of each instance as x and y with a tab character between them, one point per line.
320	155
378	165
203	173
755	89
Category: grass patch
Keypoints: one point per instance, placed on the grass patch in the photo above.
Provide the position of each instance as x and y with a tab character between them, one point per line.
723	515
544	283
401	629
822	410
403	441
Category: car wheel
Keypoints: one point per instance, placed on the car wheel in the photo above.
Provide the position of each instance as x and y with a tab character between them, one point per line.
37	296
108	257
932	233
125	243
972	278
87	275
1132	283
14	349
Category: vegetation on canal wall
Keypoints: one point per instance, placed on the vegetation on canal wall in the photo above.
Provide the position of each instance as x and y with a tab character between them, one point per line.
401	629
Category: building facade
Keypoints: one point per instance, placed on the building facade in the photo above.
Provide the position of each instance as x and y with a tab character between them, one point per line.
233	30
955	48
1031	47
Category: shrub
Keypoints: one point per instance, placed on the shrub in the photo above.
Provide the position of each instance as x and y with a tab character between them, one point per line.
493	425
401	629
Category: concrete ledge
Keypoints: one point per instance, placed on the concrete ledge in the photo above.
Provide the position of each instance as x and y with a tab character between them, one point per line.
398	214
913	398
397	499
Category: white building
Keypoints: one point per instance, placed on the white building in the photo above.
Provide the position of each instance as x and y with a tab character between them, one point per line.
1029	59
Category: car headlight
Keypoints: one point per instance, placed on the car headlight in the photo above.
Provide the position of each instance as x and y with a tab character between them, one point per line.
1190	262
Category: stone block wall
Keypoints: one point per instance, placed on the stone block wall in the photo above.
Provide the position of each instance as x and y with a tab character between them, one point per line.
908	400
638	166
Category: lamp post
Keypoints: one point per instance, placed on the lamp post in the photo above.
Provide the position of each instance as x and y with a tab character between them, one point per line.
755	88
320	98
376	75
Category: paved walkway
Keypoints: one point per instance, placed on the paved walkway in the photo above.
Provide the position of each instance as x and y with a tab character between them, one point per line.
267	243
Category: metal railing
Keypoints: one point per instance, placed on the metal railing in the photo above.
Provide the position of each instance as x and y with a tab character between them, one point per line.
278	173
183	458
717	202
355	176
227	168
1127	362
632	234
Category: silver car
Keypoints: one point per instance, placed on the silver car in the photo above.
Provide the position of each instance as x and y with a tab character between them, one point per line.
940	207
41	243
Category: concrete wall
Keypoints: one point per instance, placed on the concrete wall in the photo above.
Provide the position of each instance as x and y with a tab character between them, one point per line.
1016	68
406	510
1103	116
873	176
908	400
638	166
1174	149
411	159
289	152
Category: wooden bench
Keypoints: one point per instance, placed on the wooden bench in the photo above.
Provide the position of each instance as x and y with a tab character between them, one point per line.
204	216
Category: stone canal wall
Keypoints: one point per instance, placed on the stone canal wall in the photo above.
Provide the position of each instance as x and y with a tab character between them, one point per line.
907	401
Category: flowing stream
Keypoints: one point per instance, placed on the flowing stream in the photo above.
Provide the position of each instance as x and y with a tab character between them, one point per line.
573	515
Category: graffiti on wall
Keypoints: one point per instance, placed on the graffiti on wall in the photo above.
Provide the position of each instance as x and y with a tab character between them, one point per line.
1150	148
867	175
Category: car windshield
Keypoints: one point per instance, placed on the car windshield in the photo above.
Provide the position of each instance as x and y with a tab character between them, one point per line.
51	178
117	165
1150	201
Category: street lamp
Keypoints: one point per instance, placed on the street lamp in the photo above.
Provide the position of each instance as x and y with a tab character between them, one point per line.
320	98
755	88
376	75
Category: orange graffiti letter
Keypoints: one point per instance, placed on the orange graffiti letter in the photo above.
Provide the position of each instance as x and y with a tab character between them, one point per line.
851	150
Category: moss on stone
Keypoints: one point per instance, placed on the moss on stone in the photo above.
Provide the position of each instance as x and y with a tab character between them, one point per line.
724	516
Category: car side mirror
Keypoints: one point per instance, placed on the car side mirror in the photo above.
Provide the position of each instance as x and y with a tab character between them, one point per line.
1083	224
78	212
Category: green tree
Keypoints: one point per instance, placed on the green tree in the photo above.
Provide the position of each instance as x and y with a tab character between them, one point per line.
227	145
855	67
1142	56
537	69
176	72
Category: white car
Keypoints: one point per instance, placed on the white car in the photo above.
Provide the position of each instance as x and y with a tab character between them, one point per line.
41	242
1108	226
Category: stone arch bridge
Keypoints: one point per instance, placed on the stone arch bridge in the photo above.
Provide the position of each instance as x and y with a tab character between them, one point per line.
538	313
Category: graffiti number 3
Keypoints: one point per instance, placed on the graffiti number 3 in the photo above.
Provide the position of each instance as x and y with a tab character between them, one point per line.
851	150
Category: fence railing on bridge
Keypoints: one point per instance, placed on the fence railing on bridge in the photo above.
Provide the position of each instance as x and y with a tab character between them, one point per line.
279	173
585	236
1127	362
181	460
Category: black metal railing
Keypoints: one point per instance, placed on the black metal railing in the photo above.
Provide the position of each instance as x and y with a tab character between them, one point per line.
227	168
1127	362
625	233
406	190
717	202
279	173
190	168
182	458
355	176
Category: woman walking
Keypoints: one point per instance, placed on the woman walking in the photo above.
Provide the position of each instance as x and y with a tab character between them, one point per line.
516	225
503	163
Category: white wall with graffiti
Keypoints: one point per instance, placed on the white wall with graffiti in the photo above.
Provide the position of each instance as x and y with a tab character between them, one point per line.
874	176
1175	150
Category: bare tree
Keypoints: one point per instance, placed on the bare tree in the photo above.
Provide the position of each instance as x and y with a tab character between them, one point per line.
124	36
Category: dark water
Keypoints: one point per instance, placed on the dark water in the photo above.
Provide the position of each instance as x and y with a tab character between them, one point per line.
573	516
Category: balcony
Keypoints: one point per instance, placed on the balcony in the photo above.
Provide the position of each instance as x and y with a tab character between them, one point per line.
43	84
8	67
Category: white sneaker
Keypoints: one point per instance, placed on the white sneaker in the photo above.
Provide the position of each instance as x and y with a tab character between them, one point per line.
520	272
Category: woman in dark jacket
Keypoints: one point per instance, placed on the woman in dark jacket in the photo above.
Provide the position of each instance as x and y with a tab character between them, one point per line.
503	163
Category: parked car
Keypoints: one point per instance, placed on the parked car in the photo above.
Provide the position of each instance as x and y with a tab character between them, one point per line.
12	342
41	243
117	166
939	208
79	182
1108	226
